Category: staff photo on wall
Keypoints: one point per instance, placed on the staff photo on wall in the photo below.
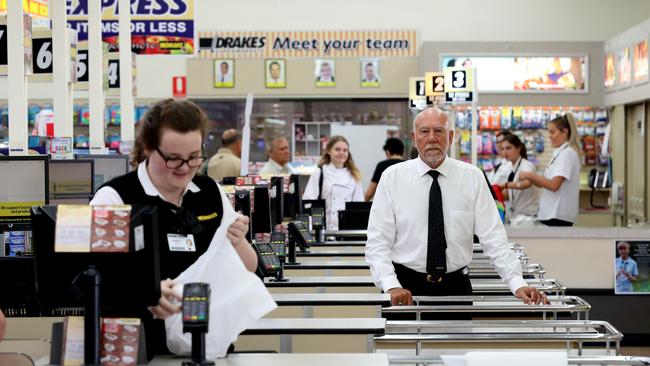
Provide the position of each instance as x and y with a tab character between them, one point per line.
224	73
370	77
325	73
276	72
632	267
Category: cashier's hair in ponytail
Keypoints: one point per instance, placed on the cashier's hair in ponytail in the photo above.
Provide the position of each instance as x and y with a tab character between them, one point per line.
177	115
352	167
566	122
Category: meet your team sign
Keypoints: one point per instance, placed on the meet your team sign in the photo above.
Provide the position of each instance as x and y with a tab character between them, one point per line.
157	26
308	44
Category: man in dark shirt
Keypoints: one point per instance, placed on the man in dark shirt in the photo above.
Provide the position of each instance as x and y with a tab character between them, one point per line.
394	150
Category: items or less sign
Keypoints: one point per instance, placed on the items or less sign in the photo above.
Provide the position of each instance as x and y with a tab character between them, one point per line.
179	86
459	85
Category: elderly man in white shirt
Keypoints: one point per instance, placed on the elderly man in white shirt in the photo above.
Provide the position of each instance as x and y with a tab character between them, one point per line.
422	247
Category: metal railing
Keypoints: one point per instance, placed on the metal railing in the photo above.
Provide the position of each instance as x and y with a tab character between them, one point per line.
493	304
499	331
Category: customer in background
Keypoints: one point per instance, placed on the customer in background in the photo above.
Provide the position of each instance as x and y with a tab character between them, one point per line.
226	162
522	196
394	149
503	166
338	180
190	206
558	205
278	157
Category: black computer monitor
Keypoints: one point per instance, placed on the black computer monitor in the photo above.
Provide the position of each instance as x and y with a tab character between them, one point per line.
120	284
24	184
292	198
261	210
276	194
71	181
129	280
107	167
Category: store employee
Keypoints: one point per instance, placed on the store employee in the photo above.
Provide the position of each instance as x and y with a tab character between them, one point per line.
559	203
191	207
423	218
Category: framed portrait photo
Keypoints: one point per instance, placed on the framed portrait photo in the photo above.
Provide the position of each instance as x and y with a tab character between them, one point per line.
275	72
224	73
370	76
325	73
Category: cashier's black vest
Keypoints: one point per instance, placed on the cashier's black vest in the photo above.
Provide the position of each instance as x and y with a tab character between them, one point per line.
200	215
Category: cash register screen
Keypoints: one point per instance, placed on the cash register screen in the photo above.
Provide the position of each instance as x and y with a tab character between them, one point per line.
24	184
70	181
108	167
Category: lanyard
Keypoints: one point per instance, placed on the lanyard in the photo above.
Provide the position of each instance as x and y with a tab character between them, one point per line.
556	155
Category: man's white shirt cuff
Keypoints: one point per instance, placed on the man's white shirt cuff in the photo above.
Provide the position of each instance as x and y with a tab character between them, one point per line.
516	283
389	283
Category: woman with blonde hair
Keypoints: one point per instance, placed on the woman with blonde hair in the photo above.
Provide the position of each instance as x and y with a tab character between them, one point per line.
338	180
560	184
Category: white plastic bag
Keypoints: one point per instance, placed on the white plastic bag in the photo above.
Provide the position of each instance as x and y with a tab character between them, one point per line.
238	297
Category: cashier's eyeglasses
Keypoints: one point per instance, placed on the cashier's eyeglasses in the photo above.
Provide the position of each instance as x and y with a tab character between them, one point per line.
175	162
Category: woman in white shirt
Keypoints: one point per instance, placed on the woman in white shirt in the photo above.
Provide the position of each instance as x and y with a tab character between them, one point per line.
558	205
522	196
341	180
503	167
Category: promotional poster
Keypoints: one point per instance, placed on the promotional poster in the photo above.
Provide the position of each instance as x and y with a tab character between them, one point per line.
545	74
157	27
632	267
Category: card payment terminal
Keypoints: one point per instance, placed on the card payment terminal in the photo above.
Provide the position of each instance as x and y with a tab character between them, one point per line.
196	317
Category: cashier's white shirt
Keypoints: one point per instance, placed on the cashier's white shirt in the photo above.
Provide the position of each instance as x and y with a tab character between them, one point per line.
562	204
339	187
109	196
523	201
398	225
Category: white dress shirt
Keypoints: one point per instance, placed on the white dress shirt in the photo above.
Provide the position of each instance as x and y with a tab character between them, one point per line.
272	167
398	226
523	201
339	187
562	204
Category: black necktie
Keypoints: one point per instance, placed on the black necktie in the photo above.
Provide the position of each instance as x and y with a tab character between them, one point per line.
436	242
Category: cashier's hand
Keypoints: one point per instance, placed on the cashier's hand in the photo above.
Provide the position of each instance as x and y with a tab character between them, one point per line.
531	296
237	231
169	302
400	296
3	325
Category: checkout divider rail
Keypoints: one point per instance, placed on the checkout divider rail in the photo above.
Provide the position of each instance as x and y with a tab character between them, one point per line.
514	331
494	304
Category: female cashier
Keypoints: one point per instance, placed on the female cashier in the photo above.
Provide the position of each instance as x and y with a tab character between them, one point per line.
169	152
558	204
523	197
341	181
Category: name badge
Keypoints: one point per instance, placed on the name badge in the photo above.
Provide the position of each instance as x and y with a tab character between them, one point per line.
181	243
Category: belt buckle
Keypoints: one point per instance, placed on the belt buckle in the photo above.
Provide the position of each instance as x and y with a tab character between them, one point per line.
432	279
